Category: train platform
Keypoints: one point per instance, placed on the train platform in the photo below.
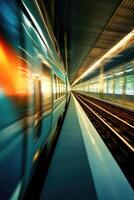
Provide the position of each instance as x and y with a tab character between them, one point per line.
82	167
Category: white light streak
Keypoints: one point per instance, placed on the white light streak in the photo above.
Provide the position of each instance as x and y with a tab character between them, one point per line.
121	45
119	73
129	70
37	26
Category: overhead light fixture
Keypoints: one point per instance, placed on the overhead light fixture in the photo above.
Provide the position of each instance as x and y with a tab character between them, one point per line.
119	47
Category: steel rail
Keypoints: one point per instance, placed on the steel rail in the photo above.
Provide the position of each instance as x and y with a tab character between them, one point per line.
107	112
115	132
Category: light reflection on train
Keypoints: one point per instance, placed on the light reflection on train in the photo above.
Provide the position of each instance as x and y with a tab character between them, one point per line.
33	93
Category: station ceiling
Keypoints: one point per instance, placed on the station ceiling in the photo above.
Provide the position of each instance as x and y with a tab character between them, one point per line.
87	29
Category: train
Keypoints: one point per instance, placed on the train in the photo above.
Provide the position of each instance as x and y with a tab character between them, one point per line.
34	92
114	84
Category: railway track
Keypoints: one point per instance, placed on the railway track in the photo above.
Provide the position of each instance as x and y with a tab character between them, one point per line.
123	113
115	125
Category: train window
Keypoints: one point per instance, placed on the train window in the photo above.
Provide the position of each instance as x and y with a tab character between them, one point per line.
61	84
61	88
54	88
46	88
58	87
38	106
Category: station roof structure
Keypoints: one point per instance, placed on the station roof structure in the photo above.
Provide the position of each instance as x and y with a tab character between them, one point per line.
87	29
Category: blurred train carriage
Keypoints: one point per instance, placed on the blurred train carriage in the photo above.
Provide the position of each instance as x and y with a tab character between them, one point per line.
33	92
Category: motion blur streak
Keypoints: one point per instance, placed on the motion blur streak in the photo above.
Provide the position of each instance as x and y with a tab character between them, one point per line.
10	67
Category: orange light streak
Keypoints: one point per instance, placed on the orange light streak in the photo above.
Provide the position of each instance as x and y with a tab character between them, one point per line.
13	80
